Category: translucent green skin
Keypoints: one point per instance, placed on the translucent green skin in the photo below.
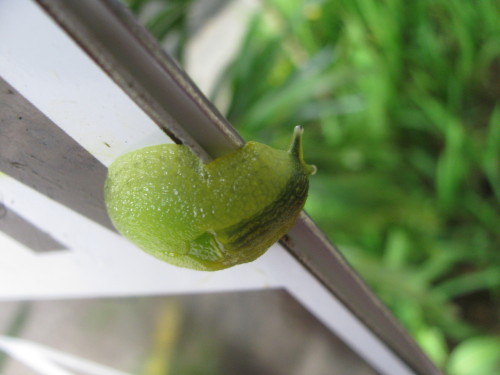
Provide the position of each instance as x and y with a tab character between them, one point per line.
206	216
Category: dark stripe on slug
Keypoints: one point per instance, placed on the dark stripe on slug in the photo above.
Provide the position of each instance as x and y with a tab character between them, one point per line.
272	217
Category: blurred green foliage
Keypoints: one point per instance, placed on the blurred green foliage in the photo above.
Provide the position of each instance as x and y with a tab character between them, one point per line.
400	102
165	19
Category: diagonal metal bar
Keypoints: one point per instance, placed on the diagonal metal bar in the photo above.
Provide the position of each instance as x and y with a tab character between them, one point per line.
138	65
39	154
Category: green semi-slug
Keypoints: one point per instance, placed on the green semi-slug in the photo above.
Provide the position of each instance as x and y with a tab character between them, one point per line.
207	216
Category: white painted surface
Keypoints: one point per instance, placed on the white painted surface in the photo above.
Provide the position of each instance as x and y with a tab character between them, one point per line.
45	66
53	73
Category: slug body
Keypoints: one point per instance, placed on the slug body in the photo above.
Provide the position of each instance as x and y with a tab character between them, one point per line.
207	216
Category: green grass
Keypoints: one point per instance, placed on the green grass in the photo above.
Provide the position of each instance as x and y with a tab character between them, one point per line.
165	19
399	100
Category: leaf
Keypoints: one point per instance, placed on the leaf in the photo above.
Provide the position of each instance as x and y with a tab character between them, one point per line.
471	282
433	342
476	356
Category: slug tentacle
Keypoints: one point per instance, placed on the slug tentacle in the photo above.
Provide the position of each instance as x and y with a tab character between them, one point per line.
297	152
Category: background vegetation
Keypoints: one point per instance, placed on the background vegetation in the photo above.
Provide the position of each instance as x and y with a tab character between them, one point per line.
400	104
